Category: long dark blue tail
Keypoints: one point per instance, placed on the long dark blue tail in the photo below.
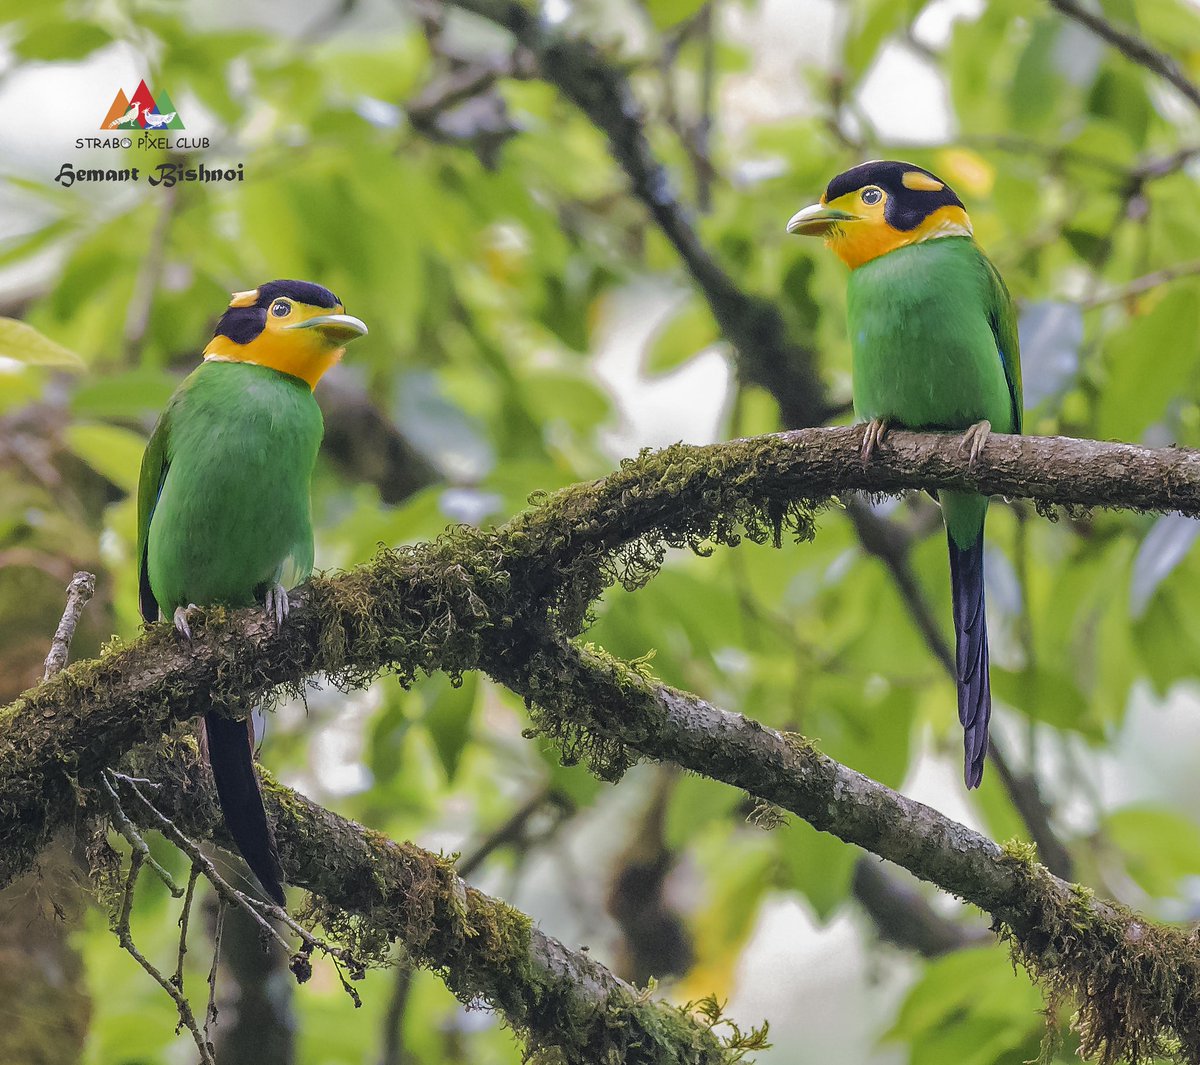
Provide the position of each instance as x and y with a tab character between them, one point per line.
971	654
230	753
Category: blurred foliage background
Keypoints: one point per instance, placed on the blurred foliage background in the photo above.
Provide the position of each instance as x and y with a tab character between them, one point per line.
530	325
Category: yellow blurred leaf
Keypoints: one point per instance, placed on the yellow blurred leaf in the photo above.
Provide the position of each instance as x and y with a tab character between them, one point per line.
20	341
966	171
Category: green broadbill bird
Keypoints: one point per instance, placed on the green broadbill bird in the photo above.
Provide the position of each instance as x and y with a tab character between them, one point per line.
933	336
223	501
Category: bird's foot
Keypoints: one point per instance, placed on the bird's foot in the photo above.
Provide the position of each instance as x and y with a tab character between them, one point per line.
276	604
182	615
873	436
974	439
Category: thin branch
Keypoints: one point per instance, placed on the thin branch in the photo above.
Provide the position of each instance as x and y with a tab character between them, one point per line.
1155	167
186	1018
137	317
139	845
185	916
904	917
504	601
484	949
79	593
210	1012
1141	285
1132	47
439	605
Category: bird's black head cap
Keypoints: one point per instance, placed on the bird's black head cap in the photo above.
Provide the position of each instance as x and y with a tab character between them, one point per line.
913	193
246	316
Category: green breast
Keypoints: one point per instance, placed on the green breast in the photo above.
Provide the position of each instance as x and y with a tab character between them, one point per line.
925	354
234	515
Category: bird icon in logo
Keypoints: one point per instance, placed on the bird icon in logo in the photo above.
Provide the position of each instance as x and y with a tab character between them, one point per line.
154	121
130	116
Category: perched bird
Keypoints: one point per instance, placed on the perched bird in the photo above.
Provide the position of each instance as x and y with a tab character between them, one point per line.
130	116
933	336
223	500
157	121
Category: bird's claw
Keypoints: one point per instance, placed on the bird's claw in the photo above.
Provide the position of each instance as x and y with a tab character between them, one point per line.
276	604
873	436
974	440
182	614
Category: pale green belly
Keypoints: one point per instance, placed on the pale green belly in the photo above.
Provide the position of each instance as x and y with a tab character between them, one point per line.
233	516
924	354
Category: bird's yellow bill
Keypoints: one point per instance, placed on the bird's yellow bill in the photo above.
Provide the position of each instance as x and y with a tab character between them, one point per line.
817	220
336	328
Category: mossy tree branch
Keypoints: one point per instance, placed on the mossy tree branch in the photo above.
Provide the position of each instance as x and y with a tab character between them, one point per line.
1137	983
370	891
507	601
451	603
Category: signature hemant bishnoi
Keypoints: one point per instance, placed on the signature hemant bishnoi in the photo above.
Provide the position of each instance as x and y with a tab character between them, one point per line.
165	174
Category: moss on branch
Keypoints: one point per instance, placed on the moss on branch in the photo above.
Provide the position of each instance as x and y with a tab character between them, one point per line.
507	600
369	892
472	596
1136	984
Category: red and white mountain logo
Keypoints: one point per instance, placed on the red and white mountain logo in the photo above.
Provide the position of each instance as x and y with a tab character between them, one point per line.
142	111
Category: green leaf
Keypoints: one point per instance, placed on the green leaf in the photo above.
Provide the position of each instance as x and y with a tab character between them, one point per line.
124	395
20	341
682	337
874	23
697	802
1161	847
1151	363
111	451
68	39
667	13
1045	693
976	990
818	865
448	720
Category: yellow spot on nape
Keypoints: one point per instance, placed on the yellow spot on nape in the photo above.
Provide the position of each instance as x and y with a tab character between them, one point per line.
920	182
244	299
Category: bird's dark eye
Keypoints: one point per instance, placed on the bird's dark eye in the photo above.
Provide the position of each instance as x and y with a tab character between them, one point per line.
871	196
281	308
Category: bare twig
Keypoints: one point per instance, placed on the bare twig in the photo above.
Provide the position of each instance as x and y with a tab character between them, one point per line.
79	592
210	1011
257	910
224	890
1132	47
186	1018
139	845
1141	285
185	915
